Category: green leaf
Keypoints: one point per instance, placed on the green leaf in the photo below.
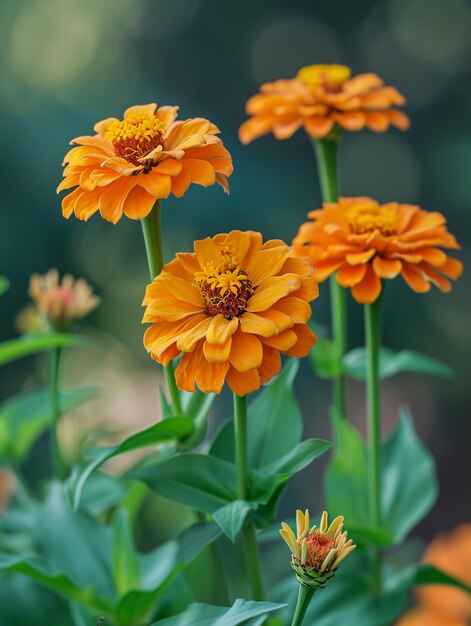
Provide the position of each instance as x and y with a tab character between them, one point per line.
4	285
347	475
200	481
160	567
24	417
274	423
101	493
165	430
391	363
37	342
207	615
231	517
409	482
430	575
125	558
325	359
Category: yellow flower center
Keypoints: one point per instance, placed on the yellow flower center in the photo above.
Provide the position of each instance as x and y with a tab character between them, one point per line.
225	289
331	77
366	218
136	136
318	547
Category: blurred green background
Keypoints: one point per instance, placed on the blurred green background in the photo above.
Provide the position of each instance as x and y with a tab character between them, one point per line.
66	64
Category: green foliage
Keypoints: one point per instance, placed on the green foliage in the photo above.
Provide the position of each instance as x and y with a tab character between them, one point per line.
173	428
37	342
77	557
409	484
26	416
325	359
392	363
4	285
207	482
241	612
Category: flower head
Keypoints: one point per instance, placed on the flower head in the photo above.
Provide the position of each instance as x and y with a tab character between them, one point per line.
320	98
60	303
230	307
316	552
365	242
130	163
444	605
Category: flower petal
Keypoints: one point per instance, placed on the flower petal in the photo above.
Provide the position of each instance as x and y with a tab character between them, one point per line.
217	353
386	268
368	290
138	203
210	376
350	275
246	352
271	290
306	339
252	323
220	329
243	383
271	364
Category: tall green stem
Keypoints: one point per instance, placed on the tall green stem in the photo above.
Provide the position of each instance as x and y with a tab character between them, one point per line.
305	595
240	435
152	231
372	339
57	461
327	153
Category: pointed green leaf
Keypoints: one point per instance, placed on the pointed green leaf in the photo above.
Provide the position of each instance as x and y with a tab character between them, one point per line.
125	558
391	363
4	285
325	359
166	430
207	615
26	416
430	575
231	517
200	481
37	342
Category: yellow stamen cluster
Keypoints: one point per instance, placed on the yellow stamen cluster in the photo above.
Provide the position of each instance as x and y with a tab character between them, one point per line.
325	75
135	136
365	218
317	551
225	289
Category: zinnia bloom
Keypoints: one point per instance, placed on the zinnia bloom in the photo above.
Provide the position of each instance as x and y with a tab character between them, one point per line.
365	242
231	307
319	98
131	163
444	605
61	303
316	552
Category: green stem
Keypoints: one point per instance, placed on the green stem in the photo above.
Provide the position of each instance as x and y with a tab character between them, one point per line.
327	153
305	595
372	340
59	469
152	231
251	546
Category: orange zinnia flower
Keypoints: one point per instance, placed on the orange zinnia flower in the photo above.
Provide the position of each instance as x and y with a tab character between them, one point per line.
231	307
131	163
320	97
364	242
443	605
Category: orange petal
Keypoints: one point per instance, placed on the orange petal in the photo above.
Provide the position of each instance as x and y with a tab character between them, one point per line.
377	121
351	120
452	268
350	275
252	323
386	268
271	364
281	320
414	278
185	374
187	342
217	353
268	263
138	203
308	291
246	352
68	202
87	203
271	290
243	383
113	197
360	257
283	342
159	185
172	167
207	252
220	329
368	290
399	119
305	340
201	172
297	309
180	184
210	376
181	289
146	109
256	127
325	268
318	126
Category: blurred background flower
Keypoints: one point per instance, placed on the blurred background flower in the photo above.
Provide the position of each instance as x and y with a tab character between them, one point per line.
66	64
